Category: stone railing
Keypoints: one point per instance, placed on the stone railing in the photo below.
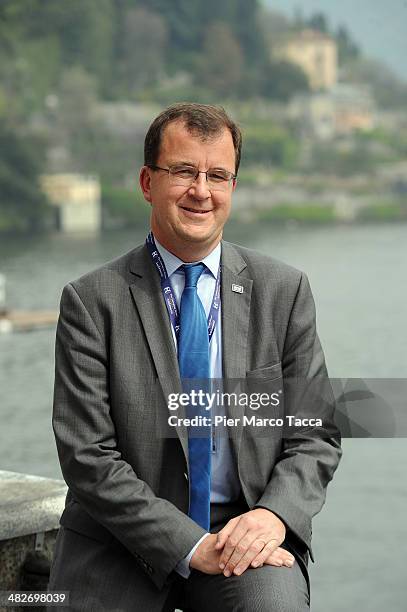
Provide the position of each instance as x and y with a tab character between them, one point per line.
30	508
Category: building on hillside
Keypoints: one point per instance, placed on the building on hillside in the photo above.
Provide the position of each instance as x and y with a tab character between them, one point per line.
76	198
339	112
354	108
314	52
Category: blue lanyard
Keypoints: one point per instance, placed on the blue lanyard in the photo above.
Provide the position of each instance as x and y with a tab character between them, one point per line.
168	292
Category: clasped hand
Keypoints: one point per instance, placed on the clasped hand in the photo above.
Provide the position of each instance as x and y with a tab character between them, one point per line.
250	539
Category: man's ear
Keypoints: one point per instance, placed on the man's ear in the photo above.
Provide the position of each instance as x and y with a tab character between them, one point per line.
145	183
234	183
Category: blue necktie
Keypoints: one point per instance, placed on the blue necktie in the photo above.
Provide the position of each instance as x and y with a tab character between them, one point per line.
193	359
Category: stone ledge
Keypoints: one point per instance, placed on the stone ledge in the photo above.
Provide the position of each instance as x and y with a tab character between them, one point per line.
29	504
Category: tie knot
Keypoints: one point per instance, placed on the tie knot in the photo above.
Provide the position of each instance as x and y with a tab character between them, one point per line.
192	273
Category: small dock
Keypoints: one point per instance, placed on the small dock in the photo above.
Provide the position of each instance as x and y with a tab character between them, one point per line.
21	320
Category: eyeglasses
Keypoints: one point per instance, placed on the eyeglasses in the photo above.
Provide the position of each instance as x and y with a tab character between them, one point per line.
182	175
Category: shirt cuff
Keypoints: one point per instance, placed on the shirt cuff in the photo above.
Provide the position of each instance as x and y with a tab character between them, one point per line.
182	568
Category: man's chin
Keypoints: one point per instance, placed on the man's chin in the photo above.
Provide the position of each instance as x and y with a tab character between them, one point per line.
198	236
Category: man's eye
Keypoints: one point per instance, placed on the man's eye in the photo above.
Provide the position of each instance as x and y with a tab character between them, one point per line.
184	172
218	176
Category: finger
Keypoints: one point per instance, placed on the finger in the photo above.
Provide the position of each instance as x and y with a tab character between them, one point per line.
277	563
249	543
251	553
274	558
280	557
270	547
282	554
224	533
233	540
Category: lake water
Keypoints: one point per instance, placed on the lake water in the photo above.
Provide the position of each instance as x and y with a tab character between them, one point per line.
359	280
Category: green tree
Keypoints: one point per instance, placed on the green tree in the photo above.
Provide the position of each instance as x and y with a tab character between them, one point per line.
274	26
40	37
347	49
22	204
184	25
318	21
268	144
144	47
387	89
280	80
221	62
84	29
75	128
248	33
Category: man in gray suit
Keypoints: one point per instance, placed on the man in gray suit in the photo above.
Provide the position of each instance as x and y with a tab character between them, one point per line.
127	541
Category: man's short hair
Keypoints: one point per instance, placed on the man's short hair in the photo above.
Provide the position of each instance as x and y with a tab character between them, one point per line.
205	120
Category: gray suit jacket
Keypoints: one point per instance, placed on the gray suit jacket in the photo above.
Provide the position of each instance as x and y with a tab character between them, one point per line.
115	365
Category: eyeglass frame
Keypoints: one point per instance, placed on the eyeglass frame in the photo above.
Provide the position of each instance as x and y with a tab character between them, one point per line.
232	177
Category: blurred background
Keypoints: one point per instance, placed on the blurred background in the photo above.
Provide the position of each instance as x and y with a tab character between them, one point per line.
320	92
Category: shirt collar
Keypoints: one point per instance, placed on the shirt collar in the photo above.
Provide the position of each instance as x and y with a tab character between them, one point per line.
172	262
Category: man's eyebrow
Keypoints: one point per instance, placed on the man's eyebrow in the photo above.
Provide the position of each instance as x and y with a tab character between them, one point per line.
189	163
176	162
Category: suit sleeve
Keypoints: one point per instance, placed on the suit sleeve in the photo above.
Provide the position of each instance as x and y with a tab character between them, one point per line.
308	459
157	533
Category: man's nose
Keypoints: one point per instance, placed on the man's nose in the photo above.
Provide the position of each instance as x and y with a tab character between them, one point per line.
199	188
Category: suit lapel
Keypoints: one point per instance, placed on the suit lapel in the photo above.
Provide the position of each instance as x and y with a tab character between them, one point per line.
147	295
236	297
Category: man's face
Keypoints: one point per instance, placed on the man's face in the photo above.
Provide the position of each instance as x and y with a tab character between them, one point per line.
182	217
